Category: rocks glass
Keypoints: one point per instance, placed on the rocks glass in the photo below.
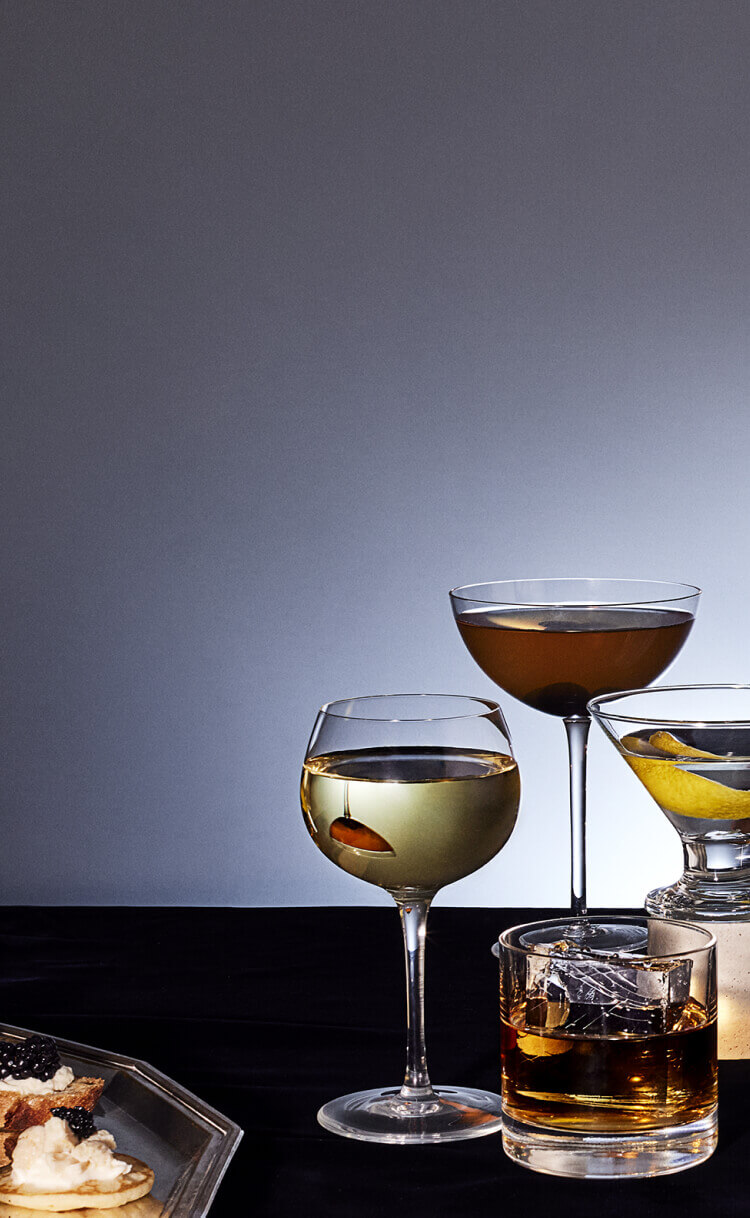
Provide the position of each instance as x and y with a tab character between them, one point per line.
609	1057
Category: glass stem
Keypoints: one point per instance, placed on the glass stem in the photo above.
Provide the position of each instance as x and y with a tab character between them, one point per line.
413	916
577	728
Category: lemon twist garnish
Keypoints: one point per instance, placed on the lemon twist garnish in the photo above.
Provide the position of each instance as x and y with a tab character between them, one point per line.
670	744
680	791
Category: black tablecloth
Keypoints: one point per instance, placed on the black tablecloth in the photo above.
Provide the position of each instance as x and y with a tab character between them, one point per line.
268	1013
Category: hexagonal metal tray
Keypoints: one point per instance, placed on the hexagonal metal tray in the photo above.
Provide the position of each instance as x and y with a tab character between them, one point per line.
186	1142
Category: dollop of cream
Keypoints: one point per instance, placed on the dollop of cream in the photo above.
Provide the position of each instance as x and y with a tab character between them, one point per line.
49	1158
61	1079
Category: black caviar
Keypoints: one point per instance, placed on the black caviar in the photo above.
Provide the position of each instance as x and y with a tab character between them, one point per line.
80	1120
36	1057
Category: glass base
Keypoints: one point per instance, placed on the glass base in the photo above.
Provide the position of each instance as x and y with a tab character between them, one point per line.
607	1156
701	899
592	936
449	1115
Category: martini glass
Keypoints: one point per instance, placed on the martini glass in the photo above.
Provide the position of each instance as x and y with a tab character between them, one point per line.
556	643
411	792
690	747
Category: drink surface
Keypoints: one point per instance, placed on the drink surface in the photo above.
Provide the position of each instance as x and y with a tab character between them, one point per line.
410	818
699	778
621	1083
556	659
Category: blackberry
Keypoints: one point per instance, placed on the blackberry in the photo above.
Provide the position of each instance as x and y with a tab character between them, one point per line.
36	1057
80	1120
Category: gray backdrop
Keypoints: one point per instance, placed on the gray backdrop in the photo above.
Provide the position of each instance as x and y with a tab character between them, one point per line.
316	309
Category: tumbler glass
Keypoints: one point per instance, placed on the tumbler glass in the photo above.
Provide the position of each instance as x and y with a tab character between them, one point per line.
609	1056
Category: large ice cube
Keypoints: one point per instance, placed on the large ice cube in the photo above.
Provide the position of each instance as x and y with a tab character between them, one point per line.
581	993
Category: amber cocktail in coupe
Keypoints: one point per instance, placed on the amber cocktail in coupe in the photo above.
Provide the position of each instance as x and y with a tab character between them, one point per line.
555	643
554	659
411	792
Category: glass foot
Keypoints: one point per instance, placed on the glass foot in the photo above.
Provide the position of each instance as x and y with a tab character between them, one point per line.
702	900
597	936
449	1115
606	1156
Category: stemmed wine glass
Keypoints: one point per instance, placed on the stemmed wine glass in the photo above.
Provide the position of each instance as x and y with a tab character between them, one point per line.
411	792
556	643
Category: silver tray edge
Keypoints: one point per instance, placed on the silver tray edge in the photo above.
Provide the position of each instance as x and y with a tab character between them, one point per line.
231	1132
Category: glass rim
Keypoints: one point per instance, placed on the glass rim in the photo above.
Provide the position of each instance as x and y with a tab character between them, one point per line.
594	705
690	591
618	919
490	708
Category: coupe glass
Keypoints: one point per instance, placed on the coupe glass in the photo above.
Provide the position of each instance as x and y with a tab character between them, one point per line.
556	643
690	747
411	792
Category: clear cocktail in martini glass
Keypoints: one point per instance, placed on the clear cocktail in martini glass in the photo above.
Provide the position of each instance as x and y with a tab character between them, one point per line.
690	747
